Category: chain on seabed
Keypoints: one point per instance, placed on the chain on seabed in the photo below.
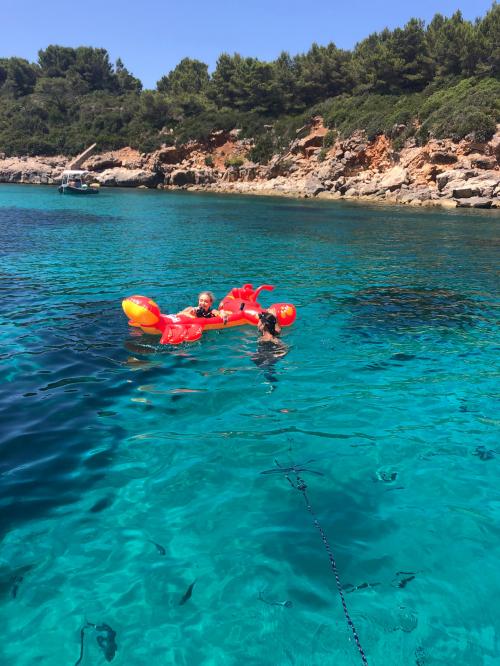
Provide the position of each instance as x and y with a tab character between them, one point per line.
107	643
301	486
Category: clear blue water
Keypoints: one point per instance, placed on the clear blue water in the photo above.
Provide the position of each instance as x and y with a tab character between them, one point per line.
111	444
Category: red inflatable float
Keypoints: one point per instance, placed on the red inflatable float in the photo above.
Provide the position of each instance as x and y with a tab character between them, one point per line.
241	303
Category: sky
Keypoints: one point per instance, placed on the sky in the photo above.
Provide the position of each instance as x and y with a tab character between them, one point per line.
152	37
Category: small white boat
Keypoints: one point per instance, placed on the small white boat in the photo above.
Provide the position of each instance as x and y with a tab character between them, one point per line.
74	182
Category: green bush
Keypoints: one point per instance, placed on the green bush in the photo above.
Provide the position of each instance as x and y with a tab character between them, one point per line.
460	123
209	161
376	114
329	138
146	143
467	107
234	162
263	149
284	167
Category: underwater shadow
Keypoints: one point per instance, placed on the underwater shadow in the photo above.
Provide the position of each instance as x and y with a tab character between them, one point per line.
394	309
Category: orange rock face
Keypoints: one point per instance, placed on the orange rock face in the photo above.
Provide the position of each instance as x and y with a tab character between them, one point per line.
379	153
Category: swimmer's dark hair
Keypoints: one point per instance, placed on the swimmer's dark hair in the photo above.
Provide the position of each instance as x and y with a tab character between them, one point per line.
269	321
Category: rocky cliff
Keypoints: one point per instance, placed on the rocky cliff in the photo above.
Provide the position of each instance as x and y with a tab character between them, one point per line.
448	173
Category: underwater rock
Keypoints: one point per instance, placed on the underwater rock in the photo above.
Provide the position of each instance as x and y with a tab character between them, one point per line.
483	453
101	504
407	620
394	309
15	585
402	357
11	579
420	656
386	475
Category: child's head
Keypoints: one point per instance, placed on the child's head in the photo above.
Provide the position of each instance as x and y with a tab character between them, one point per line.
267	323
205	300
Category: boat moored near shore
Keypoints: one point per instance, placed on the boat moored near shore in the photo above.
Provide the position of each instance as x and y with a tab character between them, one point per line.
73	181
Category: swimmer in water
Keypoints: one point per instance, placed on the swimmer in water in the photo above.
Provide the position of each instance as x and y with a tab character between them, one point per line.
268	327
270	348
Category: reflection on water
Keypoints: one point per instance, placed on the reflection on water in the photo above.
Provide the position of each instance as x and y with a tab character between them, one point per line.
267	356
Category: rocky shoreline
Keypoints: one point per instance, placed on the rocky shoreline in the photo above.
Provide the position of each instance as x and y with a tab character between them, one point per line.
441	173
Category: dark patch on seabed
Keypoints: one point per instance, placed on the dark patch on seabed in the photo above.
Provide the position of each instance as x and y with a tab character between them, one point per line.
11	579
29	492
38	217
394	309
101	504
483	453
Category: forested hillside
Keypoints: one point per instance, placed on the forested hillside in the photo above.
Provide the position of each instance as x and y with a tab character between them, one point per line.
436	80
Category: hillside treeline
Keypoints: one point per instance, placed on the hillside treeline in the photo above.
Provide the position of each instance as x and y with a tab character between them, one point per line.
440	79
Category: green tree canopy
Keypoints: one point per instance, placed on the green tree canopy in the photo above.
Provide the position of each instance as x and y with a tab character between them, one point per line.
18	75
419	76
190	76
322	72
489	31
55	61
124	79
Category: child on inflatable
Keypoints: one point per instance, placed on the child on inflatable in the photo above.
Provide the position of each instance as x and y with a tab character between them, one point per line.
204	309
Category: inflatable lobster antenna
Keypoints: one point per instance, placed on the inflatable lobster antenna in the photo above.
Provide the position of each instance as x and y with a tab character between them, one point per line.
263	287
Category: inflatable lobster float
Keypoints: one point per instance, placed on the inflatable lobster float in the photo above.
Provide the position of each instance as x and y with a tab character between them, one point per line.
241	304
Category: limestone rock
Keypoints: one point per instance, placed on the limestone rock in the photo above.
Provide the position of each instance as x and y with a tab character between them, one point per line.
454	176
121	177
33	170
442	157
369	189
103	162
484	162
313	186
474	202
394	178
482	184
465	192
331	170
494	144
183	177
313	141
170	155
440	173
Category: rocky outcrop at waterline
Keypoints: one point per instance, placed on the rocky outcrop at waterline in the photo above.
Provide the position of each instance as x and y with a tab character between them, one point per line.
443	172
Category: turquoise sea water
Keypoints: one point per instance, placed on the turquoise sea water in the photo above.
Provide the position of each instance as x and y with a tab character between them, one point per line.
129	470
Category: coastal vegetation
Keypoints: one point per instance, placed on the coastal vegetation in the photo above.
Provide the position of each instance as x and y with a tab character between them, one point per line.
437	80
